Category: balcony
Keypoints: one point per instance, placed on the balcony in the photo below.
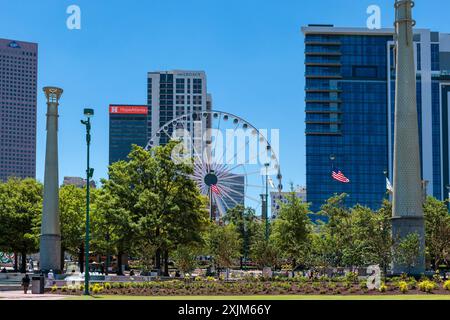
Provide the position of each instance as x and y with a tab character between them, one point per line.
323	100
323	64
322	90
323	111
329	53
324	121
330	133
323	76
322	43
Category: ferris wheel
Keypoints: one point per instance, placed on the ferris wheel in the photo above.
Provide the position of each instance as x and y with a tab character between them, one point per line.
233	162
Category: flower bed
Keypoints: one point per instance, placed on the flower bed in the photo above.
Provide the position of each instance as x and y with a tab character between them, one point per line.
212	287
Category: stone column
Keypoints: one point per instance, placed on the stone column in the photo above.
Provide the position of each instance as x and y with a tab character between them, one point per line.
50	246
407	208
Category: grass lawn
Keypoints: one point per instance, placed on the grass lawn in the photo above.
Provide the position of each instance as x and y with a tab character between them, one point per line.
279	297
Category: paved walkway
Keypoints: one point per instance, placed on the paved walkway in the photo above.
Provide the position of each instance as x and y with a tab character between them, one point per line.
18	295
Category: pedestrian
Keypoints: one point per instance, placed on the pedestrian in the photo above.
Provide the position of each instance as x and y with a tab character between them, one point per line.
51	278
25	283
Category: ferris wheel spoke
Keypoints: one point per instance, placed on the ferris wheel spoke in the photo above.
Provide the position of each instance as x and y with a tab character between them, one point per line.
229	197
247	142
220	204
217	129
223	157
253	199
228	191
245	185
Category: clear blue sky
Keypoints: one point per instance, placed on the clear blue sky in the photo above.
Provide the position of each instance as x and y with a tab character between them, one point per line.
251	50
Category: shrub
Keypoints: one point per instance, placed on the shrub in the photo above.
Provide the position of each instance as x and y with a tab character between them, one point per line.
427	286
347	284
351	277
447	285
383	288
403	286
97	288
54	288
437	277
64	289
412	283
363	285
108	286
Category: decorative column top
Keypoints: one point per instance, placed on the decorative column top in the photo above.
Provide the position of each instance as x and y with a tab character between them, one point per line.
53	94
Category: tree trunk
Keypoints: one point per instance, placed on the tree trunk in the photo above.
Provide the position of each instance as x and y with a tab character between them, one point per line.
81	258
158	259
119	263
158	255
23	267
107	262
16	262
166	263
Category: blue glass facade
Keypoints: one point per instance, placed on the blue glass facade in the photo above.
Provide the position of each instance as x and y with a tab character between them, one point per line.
345	117
350	108
126	129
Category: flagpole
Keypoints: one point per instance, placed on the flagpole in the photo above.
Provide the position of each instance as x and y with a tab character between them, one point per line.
332	158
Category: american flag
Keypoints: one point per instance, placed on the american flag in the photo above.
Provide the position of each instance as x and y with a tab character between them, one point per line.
215	189
339	176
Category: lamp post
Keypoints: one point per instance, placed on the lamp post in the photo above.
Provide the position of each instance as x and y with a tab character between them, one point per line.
89	113
266	201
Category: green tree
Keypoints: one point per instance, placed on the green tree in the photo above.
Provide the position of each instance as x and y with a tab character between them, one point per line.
72	207
407	250
437	231
353	237
292	230
264	253
335	239
382	238
150	201
20	215
185	258
246	225
114	228
224	245
171	211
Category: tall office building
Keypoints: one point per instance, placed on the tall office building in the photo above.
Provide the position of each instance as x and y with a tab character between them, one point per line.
172	94
350	90
18	89
127	126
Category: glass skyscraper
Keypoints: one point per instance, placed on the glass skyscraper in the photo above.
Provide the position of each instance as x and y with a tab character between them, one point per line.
18	89
349	106
127	126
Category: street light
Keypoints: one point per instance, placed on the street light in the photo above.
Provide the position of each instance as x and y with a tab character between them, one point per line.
266	201
89	113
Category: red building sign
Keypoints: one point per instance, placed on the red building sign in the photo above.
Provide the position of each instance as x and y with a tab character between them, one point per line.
124	109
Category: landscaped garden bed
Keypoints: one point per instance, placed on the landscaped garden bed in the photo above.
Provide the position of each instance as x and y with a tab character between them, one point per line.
295	286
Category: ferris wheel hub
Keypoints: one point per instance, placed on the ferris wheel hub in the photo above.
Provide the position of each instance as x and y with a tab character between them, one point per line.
211	179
